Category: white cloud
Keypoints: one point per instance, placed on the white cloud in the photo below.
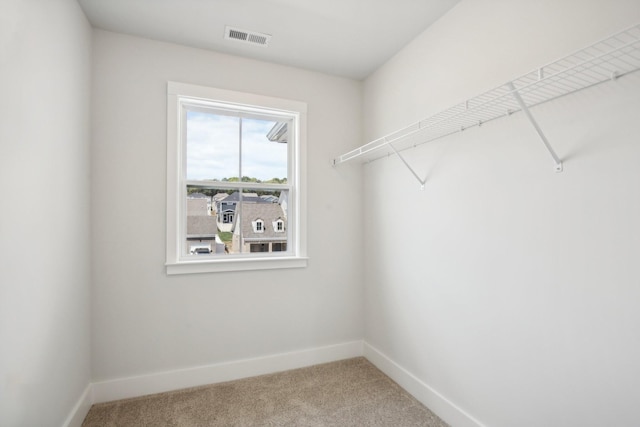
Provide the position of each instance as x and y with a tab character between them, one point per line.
262	159
213	146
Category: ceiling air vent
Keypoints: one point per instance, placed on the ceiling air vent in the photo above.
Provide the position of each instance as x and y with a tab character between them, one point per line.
250	37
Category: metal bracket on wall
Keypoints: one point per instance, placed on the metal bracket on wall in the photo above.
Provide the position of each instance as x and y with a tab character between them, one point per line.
525	110
421	181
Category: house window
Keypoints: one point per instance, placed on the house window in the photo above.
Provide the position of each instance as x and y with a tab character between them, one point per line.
278	247
247	148
259	247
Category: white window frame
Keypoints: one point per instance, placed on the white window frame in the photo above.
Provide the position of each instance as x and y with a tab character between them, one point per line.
296	255
258	226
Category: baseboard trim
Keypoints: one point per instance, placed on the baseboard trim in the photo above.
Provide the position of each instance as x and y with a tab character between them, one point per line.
141	385
443	407
124	388
81	409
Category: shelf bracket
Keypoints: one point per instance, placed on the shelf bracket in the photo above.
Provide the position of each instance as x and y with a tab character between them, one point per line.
421	181
525	110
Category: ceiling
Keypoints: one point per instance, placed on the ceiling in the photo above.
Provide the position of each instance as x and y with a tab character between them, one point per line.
349	38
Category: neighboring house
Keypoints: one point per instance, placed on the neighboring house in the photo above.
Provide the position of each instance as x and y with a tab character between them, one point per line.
263	228
269	198
197	196
196	206
284	201
214	203
201	227
203	197
226	208
217	198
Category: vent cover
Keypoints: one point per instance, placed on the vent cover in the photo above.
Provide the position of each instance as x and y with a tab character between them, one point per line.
250	37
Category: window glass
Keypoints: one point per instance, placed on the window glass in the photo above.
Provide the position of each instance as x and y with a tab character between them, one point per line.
221	151
263	160
213	146
209	220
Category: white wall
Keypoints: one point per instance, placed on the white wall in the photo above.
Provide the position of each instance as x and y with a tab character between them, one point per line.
145	322
45	51
507	288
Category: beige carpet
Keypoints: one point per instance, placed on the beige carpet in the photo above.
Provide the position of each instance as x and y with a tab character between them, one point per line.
350	392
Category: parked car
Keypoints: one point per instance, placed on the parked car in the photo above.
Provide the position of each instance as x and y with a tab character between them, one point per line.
201	251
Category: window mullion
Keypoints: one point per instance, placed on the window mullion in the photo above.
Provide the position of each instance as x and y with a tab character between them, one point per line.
240	190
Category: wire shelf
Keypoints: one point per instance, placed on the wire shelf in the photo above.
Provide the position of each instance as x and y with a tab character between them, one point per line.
603	61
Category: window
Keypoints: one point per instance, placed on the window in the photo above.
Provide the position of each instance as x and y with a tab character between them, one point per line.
277	247
258	226
236	159
259	247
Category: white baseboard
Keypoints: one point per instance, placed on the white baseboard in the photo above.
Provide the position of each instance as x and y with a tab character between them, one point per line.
439	404
125	388
80	410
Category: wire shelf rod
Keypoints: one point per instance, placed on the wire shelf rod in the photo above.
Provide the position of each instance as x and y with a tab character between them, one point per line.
605	60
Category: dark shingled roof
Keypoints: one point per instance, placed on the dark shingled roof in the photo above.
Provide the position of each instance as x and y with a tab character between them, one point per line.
235	197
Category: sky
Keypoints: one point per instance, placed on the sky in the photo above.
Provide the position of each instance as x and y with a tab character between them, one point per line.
213	146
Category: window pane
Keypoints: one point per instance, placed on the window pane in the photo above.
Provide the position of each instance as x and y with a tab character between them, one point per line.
213	146
264	150
209	221
262	222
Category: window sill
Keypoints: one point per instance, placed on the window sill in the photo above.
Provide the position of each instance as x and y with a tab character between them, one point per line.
215	266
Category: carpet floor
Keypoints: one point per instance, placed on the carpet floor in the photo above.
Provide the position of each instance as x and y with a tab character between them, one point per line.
349	392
